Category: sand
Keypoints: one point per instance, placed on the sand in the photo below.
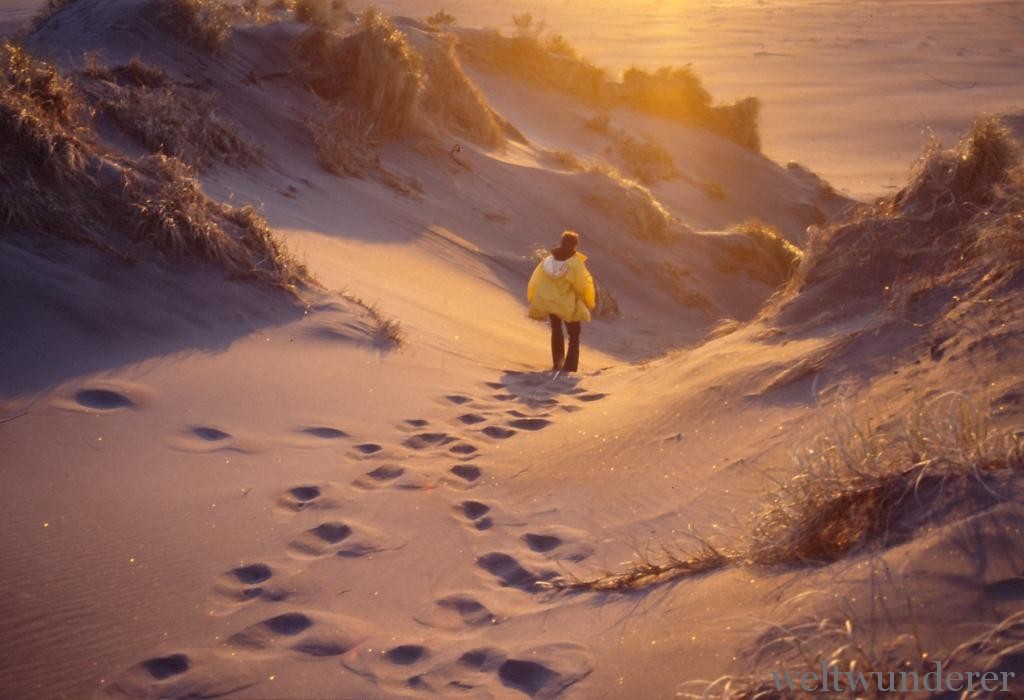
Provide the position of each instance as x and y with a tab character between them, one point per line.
212	490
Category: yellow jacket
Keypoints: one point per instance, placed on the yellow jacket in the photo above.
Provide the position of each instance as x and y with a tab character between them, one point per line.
563	288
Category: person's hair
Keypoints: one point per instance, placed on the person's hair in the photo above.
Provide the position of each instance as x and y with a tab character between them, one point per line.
570	240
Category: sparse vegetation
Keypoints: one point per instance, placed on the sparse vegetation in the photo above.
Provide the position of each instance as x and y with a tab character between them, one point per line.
58	180
562	159
943	225
547	59
205	24
853	652
860	486
857	486
394	90
441	20
761	252
166	117
632	204
319	13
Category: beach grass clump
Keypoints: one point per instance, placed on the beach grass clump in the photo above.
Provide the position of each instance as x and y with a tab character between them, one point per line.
327	14
761	252
955	219
646	161
632	204
204	24
549	60
672	564
452	101
859	487
167	117
59	181
395	90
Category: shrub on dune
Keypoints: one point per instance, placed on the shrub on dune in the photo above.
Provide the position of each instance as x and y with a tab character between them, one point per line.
58	180
205	24
318	13
630	203
955	218
859	486
167	117
761	252
550	61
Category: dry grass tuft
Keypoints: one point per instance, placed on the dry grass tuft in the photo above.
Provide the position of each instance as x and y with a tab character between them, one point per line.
345	147
858	486
957	216
395	90
453	102
441	20
205	24
761	252
58	180
647	571
859	664
326	14
632	204
547	59
167	117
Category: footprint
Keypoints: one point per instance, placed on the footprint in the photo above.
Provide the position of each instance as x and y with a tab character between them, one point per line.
319	541
324	432
103	400
590	397
416	422
163	667
498	433
495	385
299	497
530	423
503	397
458	399
243	584
262	634
475	512
471	418
466	472
509	572
561	543
406	654
209	434
425	440
470	611
541	543
527	676
252	574
548	670
462	448
368	448
378	477
1006	589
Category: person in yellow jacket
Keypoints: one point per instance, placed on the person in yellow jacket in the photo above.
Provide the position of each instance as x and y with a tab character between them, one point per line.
561	290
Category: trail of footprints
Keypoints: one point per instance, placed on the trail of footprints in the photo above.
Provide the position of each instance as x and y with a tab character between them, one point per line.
538	671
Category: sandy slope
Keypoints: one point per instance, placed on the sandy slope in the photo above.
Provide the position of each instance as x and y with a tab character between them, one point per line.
245	497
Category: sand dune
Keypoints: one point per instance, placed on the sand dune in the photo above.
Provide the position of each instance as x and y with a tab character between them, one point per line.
361	483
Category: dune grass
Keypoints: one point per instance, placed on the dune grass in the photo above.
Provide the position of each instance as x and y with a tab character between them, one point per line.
60	181
956	216
204	24
547	59
393	89
857	487
761	252
849	646
632	204
166	117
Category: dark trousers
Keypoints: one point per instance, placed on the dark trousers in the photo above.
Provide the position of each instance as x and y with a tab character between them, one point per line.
572	358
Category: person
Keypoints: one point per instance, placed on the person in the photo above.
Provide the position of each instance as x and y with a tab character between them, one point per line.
561	290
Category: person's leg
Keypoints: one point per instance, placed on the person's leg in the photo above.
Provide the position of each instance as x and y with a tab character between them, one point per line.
557	342
572	358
